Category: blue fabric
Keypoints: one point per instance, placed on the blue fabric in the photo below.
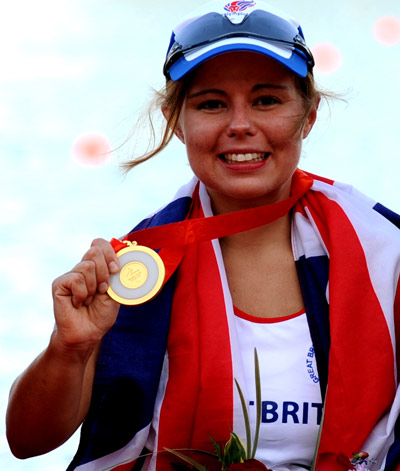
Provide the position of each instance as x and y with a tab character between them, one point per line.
388	214
129	365
313	273
393	457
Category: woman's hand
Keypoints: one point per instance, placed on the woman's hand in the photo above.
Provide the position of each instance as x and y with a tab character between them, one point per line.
51	398
83	310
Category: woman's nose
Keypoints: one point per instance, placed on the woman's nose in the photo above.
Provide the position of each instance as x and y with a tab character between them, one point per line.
240	121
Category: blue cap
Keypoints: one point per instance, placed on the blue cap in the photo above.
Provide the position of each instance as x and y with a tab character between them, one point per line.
244	25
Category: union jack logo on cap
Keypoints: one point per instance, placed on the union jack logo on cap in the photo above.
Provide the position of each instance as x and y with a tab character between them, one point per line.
239	5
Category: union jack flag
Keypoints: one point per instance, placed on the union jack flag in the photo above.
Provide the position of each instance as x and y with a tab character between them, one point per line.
165	375
239	5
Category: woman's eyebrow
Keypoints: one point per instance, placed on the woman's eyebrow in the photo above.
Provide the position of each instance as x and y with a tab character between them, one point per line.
206	91
257	87
274	86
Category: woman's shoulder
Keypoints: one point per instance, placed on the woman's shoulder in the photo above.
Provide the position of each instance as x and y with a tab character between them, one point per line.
174	211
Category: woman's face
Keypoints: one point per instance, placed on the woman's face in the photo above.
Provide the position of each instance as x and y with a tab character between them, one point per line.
241	124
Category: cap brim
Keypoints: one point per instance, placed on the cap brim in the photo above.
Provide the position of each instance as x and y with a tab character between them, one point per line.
285	56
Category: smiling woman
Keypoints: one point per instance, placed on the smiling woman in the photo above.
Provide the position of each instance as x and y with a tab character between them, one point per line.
171	99
253	254
251	111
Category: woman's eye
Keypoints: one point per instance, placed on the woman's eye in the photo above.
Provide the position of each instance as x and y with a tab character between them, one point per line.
211	105
267	101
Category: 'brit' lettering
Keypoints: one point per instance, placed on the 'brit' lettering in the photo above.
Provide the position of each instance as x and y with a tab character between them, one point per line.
291	412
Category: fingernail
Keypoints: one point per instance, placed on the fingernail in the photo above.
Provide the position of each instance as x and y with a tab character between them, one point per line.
88	301
103	287
113	267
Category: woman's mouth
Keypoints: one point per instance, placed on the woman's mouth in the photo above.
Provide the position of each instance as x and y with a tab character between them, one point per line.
248	157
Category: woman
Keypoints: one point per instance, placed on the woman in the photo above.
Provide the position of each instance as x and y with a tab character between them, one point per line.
300	268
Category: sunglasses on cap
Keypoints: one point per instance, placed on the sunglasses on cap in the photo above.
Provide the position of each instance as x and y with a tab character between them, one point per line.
260	31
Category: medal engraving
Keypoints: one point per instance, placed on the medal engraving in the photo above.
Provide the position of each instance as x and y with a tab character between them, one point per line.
141	275
133	275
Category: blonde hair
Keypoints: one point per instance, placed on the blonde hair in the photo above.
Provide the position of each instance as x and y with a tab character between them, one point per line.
172	97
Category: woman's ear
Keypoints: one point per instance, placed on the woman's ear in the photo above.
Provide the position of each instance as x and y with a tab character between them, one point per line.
178	130
311	118
179	134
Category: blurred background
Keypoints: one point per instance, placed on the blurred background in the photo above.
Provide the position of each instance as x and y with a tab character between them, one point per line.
75	76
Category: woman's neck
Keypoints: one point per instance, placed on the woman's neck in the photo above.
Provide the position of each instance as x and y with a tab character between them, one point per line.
261	270
222	204
269	237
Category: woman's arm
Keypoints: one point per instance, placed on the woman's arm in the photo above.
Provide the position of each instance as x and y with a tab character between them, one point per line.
51	398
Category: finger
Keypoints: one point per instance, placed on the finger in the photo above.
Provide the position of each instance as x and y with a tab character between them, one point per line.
109	254
72	285
88	301
88	270
99	256
79	290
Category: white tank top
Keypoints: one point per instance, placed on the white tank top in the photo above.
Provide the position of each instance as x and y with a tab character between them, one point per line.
290	390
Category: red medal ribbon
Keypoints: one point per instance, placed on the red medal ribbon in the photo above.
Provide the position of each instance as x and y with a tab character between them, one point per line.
171	239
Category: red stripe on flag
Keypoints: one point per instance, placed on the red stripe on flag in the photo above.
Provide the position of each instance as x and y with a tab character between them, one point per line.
361	383
321	179
198	401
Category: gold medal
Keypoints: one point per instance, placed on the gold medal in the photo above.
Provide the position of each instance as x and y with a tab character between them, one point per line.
141	275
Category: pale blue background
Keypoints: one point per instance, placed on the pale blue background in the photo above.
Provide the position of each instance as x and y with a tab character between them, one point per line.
69	67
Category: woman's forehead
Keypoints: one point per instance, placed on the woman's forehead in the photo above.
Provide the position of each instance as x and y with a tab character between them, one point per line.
239	66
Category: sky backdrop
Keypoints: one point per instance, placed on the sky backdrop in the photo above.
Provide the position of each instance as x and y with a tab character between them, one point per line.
74	77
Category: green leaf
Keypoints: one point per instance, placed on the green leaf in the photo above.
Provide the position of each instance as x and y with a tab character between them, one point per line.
258	403
234	451
246	419
217	449
194	463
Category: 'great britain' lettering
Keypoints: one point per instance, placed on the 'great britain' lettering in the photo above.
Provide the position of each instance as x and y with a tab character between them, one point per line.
310	366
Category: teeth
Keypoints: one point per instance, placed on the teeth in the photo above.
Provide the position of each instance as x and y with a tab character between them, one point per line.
253	157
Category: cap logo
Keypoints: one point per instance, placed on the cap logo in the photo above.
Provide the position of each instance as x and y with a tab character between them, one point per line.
235	10
239	5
